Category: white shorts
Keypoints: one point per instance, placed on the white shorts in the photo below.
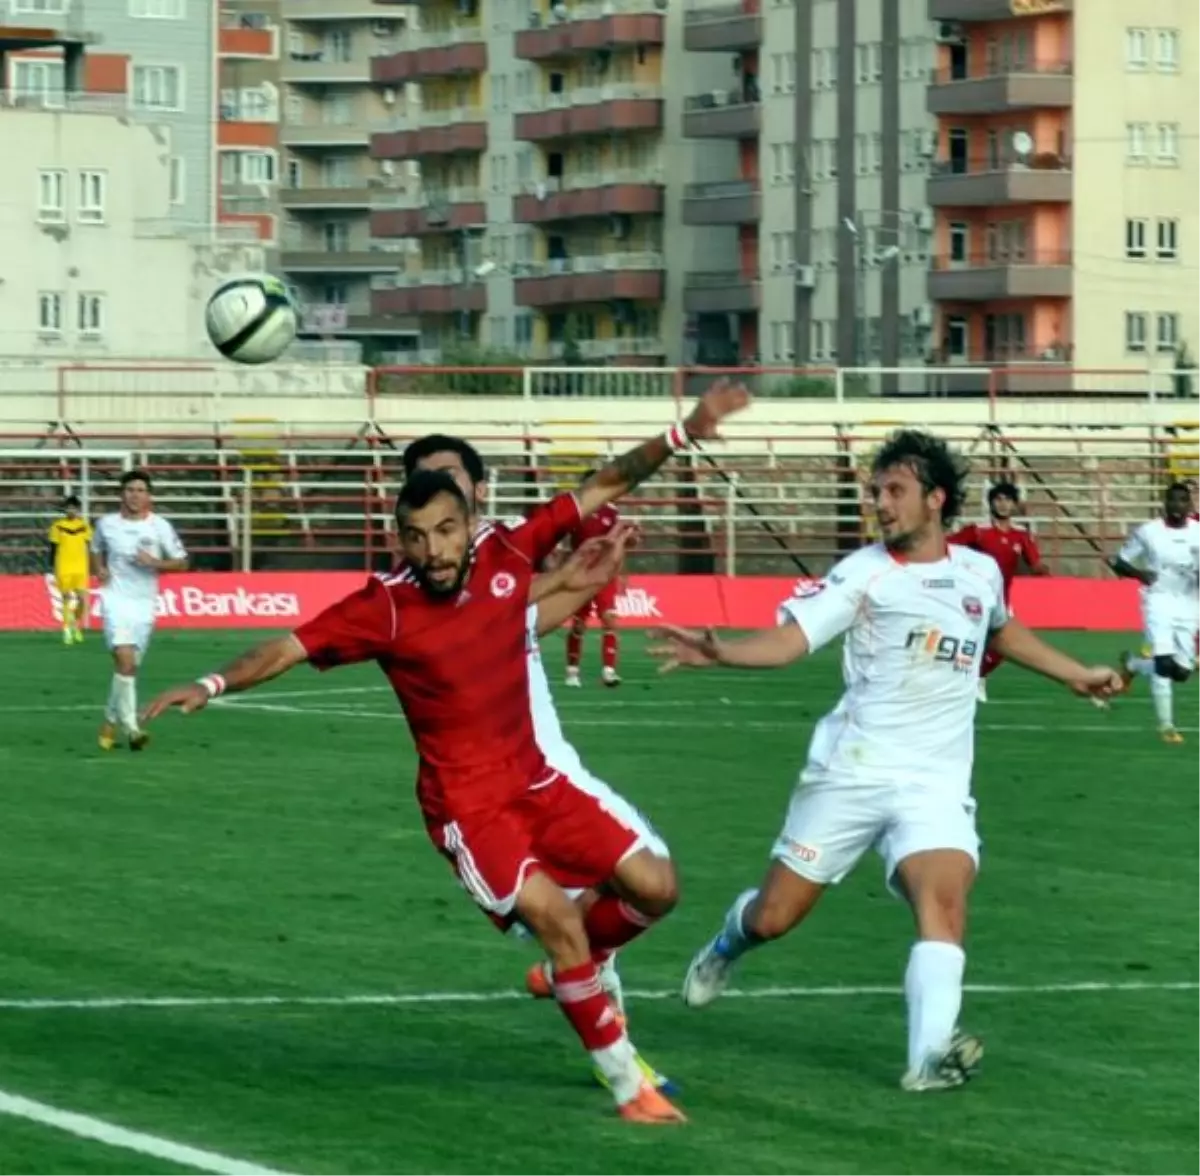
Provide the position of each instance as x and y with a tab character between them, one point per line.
127	625
1170	633
832	821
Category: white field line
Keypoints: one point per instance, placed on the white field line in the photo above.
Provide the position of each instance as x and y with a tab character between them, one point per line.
100	1130
402	999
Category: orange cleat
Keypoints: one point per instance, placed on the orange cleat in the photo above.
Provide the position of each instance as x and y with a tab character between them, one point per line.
537	981
649	1106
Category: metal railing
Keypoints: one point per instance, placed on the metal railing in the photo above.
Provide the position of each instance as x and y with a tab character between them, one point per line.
588	96
595	264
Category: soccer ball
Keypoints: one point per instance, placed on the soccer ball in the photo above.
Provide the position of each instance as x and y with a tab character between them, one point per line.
252	319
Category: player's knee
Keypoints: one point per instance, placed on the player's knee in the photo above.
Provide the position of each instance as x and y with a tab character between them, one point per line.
657	891
554	919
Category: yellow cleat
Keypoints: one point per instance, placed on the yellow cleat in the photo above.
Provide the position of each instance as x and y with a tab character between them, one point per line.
78	636
138	740
1169	735
108	736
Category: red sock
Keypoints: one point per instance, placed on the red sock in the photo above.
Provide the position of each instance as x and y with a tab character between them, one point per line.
608	649
612	923
586	1005
574	649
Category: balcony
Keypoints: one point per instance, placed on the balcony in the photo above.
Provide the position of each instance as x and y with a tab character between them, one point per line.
313	133
352	196
1023	274
432	132
728	202
637	277
721	292
433	53
1037	88
234	41
614	192
721	28
449	291
379	257
624	350
722	114
340	11
989	10
590	110
314	68
974	184
591	27
447	211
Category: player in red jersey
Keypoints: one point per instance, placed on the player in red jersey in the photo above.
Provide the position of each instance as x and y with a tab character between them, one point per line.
1008	545
448	628
602	605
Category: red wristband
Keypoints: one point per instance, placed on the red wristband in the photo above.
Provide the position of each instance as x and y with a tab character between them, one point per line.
214	684
677	438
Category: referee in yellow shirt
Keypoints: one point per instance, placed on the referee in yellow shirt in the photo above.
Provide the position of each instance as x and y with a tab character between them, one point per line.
71	536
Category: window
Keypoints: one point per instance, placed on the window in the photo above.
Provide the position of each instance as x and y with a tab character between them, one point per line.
90	209
1135	238
875	59
258	167
1167	248
38	83
862	64
52	197
960	242
178	193
818	339
1137	48
1137	136
782	333
335	294
1166	332
50	312
1135	331
1166	50
91	315
1166	143
157	87
523	330
41	7
157	9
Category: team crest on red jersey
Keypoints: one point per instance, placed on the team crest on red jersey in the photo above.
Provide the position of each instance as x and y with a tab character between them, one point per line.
503	584
973	607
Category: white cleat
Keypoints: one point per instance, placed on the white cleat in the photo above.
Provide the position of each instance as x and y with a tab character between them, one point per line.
610	677
707	976
955	1068
572	679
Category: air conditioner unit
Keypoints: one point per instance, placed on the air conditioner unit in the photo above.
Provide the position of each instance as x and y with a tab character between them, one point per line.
560	12
806	277
925	220
928	144
535	20
389	97
922	316
382	28
950	33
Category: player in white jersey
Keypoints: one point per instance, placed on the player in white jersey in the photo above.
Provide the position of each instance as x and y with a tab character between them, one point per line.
1164	556
890	766
130	548
558	602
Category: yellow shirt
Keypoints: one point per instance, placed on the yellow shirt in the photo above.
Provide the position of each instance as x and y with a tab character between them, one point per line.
71	539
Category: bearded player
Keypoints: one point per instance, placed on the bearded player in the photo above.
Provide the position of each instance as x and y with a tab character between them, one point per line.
603	605
1009	545
890	766
463	462
449	630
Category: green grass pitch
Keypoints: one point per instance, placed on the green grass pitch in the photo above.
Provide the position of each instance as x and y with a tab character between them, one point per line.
272	847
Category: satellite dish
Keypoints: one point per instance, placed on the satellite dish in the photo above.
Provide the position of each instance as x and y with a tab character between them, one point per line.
1022	144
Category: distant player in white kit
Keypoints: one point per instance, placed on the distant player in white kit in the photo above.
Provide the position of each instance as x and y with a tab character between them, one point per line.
1164	556
130	548
890	766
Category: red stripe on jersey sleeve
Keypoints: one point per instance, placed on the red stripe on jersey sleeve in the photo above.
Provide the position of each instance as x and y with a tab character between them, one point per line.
359	627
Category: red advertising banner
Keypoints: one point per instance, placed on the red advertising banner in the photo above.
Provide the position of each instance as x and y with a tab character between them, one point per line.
280	600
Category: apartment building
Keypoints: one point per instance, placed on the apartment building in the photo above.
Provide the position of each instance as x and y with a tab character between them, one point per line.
96	266
1065	185
158	53
248	114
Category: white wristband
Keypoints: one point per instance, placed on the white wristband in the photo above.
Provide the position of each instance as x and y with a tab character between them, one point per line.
677	439
213	683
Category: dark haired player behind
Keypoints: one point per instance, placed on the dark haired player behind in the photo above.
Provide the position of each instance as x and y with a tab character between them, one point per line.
890	766
1009	545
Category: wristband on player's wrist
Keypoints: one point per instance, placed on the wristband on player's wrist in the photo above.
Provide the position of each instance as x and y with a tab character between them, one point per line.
677	438
214	684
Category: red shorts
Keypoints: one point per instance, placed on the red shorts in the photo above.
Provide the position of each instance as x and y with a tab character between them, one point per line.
605	601
557	829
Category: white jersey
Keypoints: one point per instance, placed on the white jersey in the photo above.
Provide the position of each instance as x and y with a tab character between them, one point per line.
547	730
1173	555
119	540
915	636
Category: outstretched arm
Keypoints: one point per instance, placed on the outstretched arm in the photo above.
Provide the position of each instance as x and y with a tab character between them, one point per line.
1026	648
574	582
630	469
765	649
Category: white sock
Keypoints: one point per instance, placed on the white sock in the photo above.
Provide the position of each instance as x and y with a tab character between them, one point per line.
112	711
125	689
933	988
1160	691
610	981
1142	665
734	940
618	1063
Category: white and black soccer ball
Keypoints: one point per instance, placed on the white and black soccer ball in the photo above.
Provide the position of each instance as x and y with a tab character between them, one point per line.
252	319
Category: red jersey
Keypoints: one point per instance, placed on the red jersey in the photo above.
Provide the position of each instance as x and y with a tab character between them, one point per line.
595	526
457	663
1007	547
